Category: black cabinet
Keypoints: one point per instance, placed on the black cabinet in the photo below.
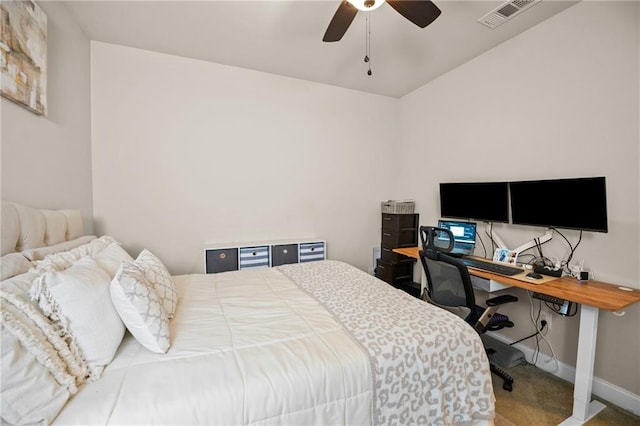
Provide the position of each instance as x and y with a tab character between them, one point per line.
398	230
394	272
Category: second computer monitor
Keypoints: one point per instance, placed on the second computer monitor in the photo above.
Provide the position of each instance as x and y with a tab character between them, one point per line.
464	235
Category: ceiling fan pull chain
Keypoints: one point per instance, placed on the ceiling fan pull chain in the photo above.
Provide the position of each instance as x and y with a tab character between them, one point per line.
366	38
367	57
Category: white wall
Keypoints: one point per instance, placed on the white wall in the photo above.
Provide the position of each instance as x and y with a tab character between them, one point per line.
560	100
189	153
46	161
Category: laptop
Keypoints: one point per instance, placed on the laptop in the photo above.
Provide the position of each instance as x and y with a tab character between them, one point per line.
464	236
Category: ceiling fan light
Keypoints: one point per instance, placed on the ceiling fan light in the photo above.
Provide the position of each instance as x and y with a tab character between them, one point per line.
366	5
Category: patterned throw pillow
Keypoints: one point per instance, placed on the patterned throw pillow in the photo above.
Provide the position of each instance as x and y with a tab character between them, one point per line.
157	274
140	308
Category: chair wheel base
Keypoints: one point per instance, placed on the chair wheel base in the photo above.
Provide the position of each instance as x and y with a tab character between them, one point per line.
508	380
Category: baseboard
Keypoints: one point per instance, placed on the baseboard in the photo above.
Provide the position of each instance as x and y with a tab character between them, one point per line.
608	391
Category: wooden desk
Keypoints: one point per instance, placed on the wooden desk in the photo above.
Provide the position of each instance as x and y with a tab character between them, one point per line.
592	296
593	293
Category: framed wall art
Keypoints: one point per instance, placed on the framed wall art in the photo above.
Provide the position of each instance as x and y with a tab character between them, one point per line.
23	54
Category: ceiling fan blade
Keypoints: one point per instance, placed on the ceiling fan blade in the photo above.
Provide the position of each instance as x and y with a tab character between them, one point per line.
340	22
420	12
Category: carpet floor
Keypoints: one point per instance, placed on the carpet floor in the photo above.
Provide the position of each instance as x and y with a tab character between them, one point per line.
540	398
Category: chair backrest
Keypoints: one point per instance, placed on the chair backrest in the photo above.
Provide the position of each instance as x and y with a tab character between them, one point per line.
448	280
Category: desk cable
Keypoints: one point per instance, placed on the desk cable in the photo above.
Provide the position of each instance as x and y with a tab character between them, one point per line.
572	248
539	335
484	248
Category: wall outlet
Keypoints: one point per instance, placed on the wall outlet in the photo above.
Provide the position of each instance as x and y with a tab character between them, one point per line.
545	316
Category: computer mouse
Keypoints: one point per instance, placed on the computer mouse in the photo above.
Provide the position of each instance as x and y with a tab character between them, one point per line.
534	275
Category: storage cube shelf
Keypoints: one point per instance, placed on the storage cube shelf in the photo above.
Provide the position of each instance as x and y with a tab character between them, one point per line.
232	257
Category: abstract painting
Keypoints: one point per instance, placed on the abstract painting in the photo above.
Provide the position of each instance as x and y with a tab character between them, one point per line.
23	54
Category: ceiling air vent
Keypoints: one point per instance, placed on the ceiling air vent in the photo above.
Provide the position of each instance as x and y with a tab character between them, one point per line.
506	11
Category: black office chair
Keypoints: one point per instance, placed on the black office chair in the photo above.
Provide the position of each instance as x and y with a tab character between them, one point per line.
449	287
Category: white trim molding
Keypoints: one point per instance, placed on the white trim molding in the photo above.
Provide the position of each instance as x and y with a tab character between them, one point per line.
608	391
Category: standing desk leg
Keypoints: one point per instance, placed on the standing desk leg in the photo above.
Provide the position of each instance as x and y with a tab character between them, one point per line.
583	408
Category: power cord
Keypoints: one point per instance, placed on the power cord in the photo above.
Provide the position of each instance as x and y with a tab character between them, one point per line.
538	246
543	261
482	242
493	243
530	262
540	336
572	248
558	309
543	324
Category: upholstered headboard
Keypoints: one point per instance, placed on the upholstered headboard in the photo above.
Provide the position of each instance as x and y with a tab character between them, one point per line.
26	228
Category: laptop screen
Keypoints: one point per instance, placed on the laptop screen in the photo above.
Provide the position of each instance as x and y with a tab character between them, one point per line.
464	235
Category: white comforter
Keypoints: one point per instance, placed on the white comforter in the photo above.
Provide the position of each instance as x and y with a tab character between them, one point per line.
247	347
316	343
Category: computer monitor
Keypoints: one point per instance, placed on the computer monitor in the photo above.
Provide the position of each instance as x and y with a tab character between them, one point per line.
485	201
576	203
464	236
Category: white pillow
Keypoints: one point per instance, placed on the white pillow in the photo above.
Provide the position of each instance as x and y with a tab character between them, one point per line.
78	298
140	308
13	264
20	285
157	274
40	253
111	257
55	262
62	260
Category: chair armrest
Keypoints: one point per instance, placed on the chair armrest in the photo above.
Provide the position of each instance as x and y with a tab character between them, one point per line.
501	300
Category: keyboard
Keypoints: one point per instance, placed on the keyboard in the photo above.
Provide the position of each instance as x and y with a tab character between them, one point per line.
495	268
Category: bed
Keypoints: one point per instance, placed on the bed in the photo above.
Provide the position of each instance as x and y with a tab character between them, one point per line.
314	343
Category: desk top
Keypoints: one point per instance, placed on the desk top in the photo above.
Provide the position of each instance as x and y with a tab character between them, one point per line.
593	293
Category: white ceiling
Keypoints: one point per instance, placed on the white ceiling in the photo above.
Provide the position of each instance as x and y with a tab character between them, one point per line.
285	37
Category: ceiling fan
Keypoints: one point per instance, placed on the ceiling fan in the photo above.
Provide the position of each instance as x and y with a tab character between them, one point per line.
420	12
